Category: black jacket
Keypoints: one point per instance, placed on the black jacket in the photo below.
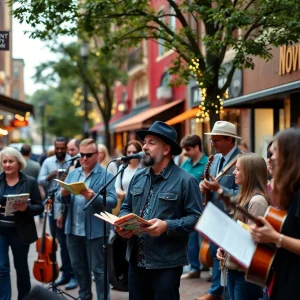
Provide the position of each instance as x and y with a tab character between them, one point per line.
24	220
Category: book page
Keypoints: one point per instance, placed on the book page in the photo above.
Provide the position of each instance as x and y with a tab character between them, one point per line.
104	218
75	188
14	199
226	233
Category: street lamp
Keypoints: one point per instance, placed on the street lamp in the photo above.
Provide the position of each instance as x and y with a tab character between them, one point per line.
42	118
84	53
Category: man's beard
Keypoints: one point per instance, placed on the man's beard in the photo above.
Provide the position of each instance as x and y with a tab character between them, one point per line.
148	161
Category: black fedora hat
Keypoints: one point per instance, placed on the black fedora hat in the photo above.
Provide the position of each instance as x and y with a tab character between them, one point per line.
165	132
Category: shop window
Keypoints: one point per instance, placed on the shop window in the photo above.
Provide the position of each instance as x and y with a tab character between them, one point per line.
140	91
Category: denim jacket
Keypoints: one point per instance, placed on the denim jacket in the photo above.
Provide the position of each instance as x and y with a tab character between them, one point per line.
176	199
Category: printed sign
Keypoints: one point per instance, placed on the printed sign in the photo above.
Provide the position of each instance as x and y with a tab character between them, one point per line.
4	40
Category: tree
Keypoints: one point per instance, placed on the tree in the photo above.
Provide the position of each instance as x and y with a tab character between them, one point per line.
103	69
57	108
248	27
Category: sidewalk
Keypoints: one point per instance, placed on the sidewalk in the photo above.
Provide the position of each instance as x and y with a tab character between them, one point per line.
189	288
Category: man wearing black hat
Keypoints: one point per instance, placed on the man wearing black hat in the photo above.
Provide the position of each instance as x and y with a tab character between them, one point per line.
169	198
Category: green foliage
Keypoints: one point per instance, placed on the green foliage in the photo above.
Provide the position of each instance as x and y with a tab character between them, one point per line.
249	27
59	112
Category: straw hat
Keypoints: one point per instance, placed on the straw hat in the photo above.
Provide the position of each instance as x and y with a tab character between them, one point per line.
224	128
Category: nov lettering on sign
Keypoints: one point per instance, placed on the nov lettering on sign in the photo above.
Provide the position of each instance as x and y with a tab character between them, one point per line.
4	40
289	59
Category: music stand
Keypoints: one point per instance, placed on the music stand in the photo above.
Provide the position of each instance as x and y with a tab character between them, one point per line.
52	285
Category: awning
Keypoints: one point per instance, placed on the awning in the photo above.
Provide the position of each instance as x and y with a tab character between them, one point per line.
266	94
100	126
138	121
191	113
15	106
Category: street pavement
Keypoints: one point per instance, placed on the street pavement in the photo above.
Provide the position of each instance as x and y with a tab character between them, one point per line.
189	288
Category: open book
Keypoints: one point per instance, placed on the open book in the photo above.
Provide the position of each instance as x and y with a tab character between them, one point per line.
128	222
226	233
74	188
14	199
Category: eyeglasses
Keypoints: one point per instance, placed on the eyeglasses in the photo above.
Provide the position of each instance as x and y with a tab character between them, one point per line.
269	155
88	155
214	141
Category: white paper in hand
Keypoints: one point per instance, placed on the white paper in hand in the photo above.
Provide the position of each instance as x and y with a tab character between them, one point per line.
227	234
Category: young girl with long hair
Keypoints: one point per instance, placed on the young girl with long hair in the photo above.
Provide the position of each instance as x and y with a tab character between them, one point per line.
286	158
252	177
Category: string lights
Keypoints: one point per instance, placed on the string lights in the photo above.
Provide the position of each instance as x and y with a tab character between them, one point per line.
206	107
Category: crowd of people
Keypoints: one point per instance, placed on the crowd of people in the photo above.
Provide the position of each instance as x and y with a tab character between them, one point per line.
169	196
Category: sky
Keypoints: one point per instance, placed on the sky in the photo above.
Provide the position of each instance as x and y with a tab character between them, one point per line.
34	52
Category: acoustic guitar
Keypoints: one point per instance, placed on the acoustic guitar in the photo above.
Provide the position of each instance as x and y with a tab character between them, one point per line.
204	254
260	269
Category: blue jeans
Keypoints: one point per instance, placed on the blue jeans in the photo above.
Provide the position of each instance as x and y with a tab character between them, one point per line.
67	270
86	257
240	289
193	251
153	284
216	289
20	254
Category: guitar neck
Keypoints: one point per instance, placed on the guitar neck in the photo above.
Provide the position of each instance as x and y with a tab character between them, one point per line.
245	212
229	201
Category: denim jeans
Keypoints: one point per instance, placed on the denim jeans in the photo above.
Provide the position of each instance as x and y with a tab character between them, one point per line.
216	289
240	289
86	257
20	254
193	251
153	284
67	270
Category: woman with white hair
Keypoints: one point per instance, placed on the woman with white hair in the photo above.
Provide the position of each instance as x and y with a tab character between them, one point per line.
17	230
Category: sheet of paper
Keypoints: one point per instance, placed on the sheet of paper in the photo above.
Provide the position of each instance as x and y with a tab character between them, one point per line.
226	233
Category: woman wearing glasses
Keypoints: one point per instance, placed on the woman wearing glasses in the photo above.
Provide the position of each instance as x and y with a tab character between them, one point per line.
124	178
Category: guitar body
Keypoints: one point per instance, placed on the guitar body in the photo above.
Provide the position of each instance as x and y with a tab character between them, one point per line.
261	265
204	254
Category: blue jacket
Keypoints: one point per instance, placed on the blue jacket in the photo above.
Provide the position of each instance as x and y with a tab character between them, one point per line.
94	225
176	199
227	180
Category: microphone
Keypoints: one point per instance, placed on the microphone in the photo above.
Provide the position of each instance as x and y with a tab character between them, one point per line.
74	158
139	155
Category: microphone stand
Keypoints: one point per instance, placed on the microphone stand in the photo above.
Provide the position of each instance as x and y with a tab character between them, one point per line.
103	192
53	286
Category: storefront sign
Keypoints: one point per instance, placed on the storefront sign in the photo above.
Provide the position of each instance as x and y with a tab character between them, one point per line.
289	59
4	40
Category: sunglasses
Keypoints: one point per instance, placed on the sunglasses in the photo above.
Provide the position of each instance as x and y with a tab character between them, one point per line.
269	154
88	155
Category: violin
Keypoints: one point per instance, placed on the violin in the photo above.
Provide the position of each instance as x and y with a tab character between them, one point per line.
44	269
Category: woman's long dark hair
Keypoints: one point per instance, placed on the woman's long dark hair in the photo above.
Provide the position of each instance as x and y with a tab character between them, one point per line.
287	166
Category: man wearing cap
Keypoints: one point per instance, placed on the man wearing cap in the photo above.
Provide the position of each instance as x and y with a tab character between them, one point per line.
223	140
169	198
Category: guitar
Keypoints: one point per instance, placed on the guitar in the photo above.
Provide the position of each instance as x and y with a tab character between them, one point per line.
260	268
204	254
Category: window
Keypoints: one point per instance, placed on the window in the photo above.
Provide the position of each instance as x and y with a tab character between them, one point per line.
172	19
15	93
16	72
